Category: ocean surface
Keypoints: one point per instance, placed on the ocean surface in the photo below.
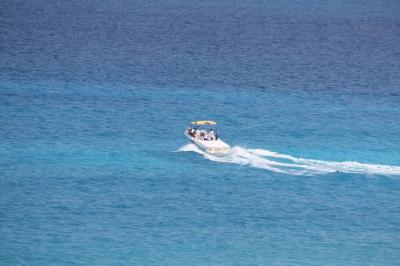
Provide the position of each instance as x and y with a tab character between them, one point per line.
95	97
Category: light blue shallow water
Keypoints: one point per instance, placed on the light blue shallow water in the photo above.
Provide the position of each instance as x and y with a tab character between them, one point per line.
95	169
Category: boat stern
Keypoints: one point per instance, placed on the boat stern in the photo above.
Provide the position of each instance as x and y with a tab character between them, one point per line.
218	150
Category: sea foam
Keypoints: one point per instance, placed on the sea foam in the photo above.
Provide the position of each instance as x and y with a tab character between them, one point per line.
286	164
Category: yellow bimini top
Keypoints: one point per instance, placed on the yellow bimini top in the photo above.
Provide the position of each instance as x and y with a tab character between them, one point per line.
204	122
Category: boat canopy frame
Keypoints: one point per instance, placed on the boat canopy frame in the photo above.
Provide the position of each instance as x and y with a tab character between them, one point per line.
205	125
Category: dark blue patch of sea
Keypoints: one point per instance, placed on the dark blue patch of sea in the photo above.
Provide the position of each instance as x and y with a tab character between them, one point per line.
95	96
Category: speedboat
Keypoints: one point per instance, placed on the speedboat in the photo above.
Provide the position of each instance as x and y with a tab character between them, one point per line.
204	135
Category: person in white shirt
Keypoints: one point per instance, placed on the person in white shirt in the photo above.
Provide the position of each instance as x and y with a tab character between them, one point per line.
205	135
211	134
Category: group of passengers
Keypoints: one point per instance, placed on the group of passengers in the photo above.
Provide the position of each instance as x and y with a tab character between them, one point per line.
203	134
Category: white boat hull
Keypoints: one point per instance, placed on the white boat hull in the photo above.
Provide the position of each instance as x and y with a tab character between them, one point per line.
214	147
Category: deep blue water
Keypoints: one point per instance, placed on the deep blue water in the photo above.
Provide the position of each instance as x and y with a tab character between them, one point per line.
95	96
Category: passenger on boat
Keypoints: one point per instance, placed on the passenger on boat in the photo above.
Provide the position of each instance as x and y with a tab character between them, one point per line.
211	134
206	136
190	131
203	134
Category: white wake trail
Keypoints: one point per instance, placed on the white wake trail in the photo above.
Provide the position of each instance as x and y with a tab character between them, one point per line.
272	161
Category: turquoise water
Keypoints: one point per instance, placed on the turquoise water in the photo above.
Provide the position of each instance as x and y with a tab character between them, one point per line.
95	169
